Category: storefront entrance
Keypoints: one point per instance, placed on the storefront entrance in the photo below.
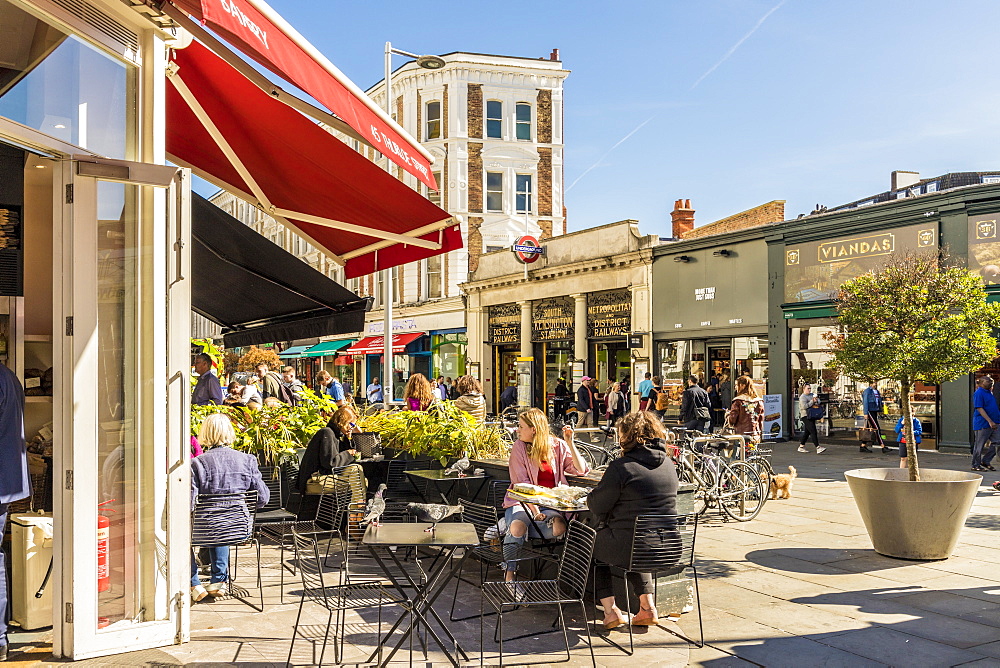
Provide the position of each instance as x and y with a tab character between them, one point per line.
505	371
610	360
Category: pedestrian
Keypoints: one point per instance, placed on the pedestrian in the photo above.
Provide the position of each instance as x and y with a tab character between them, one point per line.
14	481
293	386
586	403
417	395
625	387
615	400
471	399
715	400
270	383
374	391
871	406
208	390
918	432
810	410
645	385
746	413
442	393
696	407
508	397
985	424
561	398
658	399
337	392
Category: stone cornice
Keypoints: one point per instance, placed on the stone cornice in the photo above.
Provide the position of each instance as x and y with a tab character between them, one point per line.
609	263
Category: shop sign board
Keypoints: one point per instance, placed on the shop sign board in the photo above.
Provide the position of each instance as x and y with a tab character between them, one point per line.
609	314
772	417
503	323
636	340
984	247
552	319
815	270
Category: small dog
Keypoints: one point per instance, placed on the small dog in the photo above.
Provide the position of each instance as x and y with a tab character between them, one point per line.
781	484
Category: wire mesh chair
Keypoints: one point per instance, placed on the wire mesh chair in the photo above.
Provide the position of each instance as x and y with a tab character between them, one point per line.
276	509
335	599
663	545
489	552
342	486
226	520
568	587
368	443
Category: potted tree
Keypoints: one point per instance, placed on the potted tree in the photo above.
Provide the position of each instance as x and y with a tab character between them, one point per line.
918	318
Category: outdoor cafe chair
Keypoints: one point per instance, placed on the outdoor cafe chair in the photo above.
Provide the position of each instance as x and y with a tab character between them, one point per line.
226	520
568	587
489	552
335	599
670	554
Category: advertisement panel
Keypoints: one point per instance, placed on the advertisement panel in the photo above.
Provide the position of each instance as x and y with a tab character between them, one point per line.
772	417
984	248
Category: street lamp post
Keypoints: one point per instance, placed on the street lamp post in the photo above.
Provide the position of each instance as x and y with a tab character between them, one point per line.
429	63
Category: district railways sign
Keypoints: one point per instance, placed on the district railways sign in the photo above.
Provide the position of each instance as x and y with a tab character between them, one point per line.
527	249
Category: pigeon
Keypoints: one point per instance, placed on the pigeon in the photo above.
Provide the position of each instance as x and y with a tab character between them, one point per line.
432	512
459	467
374	509
479	472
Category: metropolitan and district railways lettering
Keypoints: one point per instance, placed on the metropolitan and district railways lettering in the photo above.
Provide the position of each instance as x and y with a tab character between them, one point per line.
609	314
504	323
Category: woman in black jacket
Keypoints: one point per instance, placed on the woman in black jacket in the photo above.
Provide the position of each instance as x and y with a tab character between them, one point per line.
643	481
330	447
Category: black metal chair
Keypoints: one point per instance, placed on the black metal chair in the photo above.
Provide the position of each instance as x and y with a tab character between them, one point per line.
663	545
368	443
569	586
277	507
489	552
226	520
335	599
342	487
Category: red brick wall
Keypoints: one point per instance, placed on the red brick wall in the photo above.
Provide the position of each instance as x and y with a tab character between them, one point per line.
444	112
475	242
544	190
420	117
771	212
475	113
475	177
544	113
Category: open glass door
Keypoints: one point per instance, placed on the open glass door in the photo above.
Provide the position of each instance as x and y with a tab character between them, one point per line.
122	480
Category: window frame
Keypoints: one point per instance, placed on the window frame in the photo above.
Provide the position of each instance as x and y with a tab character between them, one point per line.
487	119
436	121
487	191
528	194
428	293
518	123
436	197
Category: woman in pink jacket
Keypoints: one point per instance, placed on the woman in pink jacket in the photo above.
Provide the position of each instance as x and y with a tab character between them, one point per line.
540	459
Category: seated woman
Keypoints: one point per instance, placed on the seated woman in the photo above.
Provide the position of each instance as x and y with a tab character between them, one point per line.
221	470
540	459
471	398
417	395
330	447
643	481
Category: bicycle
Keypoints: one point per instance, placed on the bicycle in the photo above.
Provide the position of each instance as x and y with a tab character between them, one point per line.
736	487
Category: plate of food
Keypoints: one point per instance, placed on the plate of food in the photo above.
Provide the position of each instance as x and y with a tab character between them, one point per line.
563	497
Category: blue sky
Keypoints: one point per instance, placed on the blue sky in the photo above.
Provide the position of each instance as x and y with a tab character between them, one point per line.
817	105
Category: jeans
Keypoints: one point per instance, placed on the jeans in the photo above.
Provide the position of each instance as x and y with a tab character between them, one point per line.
985	446
3	579
220	565
512	544
703	426
809	430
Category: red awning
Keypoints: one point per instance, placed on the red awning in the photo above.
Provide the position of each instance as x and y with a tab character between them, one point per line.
263	35
237	137
375	345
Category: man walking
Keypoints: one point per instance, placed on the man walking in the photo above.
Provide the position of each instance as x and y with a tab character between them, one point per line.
586	403
985	424
696	407
208	390
14	481
645	385
374	392
871	402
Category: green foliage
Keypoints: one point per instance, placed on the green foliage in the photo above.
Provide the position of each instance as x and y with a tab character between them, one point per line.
919	317
441	432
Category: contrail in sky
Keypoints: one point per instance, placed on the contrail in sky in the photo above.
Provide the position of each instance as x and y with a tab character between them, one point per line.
714	67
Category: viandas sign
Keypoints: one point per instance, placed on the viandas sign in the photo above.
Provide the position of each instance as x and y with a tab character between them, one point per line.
815	270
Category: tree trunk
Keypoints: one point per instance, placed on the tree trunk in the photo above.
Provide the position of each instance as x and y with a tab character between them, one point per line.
911	443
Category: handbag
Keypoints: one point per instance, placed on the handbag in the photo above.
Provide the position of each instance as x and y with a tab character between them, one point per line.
866	435
702	413
815	413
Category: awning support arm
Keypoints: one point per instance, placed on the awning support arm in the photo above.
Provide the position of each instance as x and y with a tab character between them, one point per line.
419	232
220	141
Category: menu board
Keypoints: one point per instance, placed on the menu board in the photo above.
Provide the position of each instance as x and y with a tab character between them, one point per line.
772	417
815	270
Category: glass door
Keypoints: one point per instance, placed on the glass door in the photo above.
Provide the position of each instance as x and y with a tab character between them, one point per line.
122	305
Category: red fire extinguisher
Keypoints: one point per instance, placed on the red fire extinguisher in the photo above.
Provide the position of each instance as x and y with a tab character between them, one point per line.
103	534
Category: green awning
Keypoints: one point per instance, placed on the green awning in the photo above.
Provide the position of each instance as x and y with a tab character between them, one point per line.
294	351
328	348
822	310
992	297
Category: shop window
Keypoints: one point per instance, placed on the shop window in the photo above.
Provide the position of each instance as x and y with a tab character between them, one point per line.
494	119
433	120
494	191
522	117
523	193
434	277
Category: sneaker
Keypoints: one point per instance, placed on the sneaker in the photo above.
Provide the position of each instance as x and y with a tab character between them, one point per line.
885	450
820	450
517	590
988	467
978	468
198	593
802	448
865	449
216	589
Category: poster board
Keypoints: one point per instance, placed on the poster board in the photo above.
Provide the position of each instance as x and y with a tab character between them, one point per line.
772	417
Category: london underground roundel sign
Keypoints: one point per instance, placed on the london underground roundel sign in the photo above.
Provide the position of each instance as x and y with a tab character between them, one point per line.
527	249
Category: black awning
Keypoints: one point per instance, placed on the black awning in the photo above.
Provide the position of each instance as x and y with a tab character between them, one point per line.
258	291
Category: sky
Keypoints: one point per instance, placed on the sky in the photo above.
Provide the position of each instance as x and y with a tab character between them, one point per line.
728	103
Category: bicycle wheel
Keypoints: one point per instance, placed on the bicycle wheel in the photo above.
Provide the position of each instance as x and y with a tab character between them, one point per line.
742	491
702	496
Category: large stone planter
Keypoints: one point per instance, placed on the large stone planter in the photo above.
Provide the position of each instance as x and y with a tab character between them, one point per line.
913	520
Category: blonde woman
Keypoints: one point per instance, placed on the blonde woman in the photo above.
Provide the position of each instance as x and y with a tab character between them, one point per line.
537	458
417	394
221	470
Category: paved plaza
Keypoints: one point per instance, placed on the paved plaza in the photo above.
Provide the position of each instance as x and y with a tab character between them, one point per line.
798	586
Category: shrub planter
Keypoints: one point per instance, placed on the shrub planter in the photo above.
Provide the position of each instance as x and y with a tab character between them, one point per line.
913	520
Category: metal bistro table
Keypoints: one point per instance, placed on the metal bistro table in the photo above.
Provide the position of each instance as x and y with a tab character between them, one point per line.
449	537
449	482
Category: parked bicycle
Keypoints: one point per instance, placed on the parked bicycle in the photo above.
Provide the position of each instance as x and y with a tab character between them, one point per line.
737	488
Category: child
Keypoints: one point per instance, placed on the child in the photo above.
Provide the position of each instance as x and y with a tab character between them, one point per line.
918	431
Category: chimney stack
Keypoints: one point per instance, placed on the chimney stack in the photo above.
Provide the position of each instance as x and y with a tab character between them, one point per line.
682	217
554	55
902	180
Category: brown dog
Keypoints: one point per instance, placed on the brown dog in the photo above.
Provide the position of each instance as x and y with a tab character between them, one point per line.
781	484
